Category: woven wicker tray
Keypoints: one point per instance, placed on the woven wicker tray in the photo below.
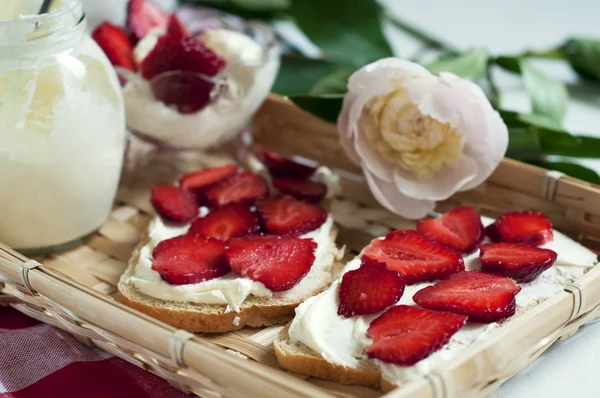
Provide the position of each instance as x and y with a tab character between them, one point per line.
75	290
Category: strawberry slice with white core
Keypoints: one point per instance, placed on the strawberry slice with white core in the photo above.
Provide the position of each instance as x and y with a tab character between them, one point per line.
301	188
523	263
529	227
115	44
278	262
243	188
142	16
404	335
189	259
174	203
481	296
414	256
459	229
199	181
280	167
226	222
287	216
369	289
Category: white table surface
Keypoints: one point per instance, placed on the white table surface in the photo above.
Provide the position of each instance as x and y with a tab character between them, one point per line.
569	368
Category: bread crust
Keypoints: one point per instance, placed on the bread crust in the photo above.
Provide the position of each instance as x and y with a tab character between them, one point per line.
206	318
305	361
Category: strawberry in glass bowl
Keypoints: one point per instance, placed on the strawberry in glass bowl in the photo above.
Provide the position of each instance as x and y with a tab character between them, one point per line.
191	80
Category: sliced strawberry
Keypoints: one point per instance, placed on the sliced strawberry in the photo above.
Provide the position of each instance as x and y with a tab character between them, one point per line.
404	335
242	188
491	231
301	188
198	181
369	289
187	91
142	16
173	203
115	44
481	296
176	27
226	222
281	167
523	263
529	227
278	262
180	53
287	216
459	229
414	256
189	259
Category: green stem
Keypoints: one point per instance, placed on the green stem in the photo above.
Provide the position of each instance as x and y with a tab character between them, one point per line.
426	38
494	91
547	54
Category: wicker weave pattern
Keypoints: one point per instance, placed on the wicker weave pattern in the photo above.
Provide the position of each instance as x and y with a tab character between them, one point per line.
91	273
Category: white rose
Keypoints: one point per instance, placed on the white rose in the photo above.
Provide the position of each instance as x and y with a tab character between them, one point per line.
418	137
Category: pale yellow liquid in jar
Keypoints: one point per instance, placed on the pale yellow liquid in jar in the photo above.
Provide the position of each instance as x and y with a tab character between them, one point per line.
62	138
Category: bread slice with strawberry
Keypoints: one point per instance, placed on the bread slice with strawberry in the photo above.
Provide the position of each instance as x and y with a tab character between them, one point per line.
223	253
413	299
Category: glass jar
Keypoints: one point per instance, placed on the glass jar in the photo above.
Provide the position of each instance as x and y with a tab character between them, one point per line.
62	127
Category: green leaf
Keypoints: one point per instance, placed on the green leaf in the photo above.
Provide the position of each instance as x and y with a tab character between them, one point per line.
298	75
548	97
542	121
334	83
558	143
571	169
470	65
348	33
249	9
523	144
326	107
584	57
509	63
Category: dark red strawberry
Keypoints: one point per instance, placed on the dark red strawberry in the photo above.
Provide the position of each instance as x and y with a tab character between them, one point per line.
198	181
414	256
369	289
278	262
301	188
180	53
115	44
281	167
404	335
459	229
523	263
187	91
481	296
491	231
142	16
242	188
529	227
226	222
287	216
173	203
176	27
189	259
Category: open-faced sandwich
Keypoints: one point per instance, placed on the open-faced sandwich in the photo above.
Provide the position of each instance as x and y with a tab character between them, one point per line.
223	253
414	299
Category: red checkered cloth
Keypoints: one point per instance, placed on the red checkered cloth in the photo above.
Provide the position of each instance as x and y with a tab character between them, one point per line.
38	360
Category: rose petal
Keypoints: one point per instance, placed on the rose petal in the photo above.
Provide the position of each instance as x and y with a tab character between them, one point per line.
372	159
441	185
388	195
346	133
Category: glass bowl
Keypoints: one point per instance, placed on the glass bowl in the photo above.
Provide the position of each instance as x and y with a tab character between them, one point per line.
252	55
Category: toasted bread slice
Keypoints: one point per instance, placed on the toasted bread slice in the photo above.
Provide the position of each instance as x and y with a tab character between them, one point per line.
299	358
213	318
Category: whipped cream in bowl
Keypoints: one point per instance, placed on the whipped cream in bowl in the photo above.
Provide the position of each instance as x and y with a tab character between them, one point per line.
251	55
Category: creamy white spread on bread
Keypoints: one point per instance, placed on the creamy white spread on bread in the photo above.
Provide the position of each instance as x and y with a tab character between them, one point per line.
342	341
229	289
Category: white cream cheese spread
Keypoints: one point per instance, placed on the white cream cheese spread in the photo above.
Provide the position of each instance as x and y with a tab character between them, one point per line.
342	341
229	289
